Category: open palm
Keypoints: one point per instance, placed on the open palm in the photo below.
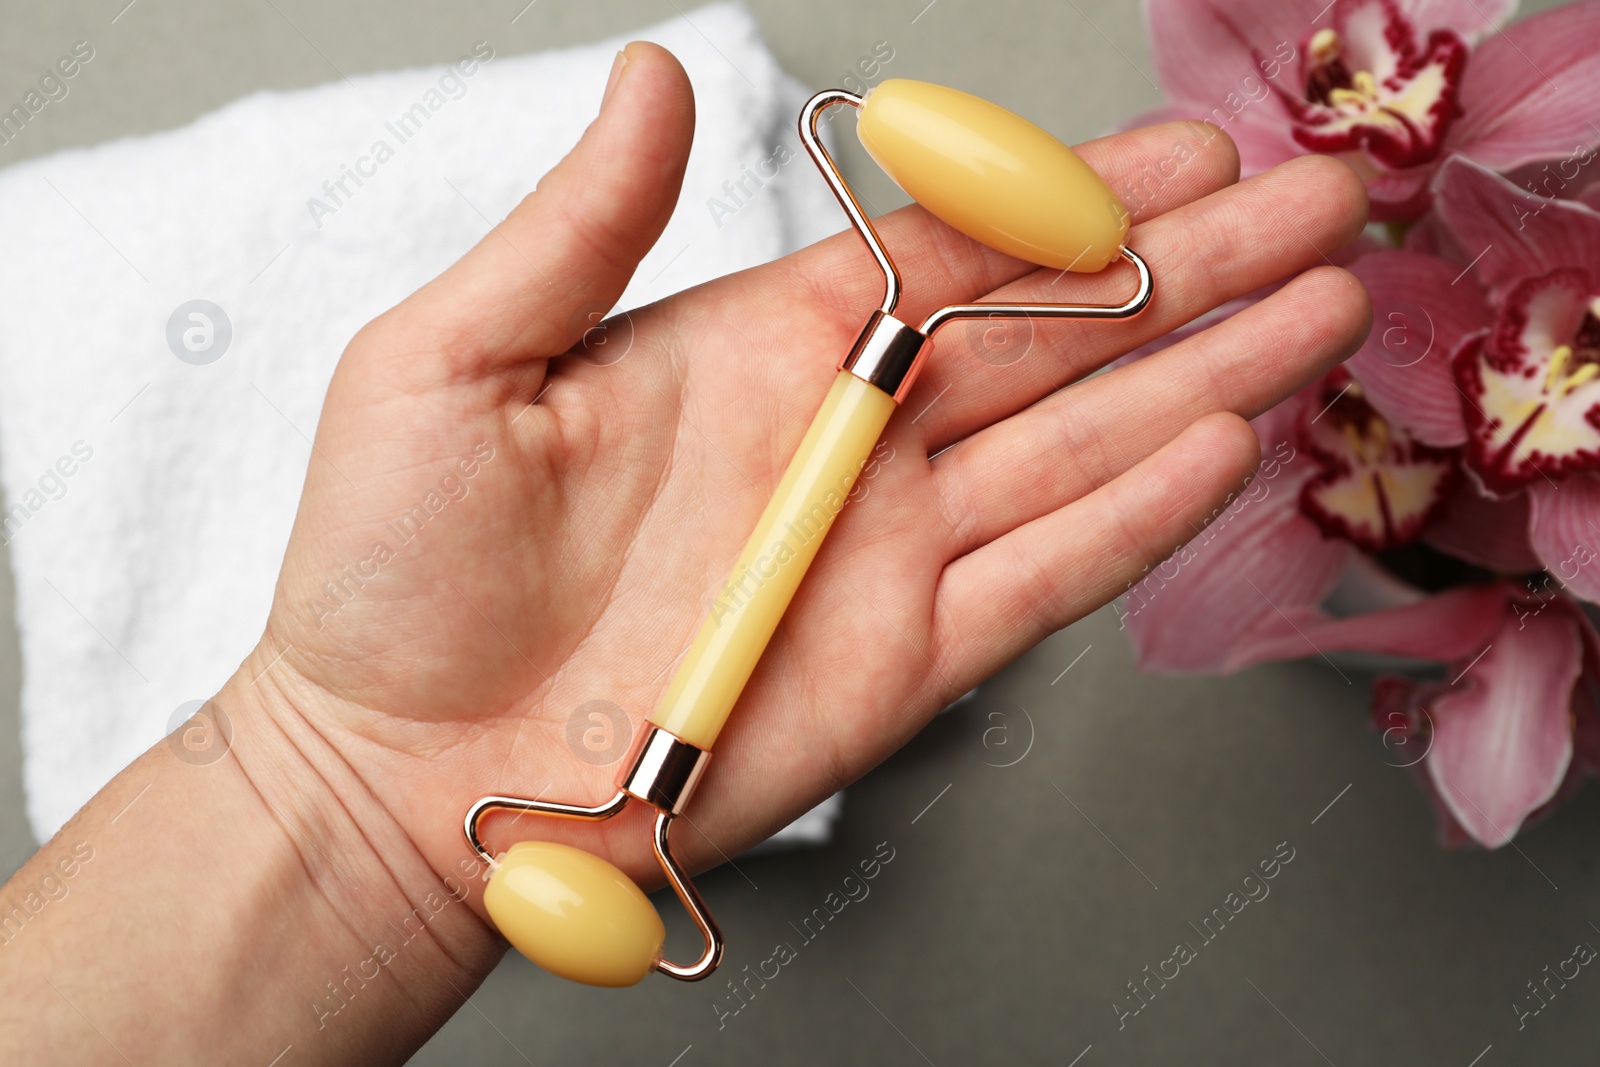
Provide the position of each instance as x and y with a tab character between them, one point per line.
511	515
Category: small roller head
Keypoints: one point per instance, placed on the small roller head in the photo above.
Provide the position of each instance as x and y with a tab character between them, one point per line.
993	175
574	914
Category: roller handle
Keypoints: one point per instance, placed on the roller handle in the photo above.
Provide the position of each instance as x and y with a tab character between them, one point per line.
746	609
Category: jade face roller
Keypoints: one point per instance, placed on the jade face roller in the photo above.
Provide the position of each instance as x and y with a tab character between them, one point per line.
986	172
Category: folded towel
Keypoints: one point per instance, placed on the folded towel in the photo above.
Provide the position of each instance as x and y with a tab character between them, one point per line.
152	460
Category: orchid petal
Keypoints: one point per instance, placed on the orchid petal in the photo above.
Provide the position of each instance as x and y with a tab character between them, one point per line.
1263	139
1202	52
1564	527
1366	587
1400	195
1503	732
1429	236
1255	569
1485	531
1529	91
1400	711
1278	428
1422	308
1586	700
1513	234
1448	626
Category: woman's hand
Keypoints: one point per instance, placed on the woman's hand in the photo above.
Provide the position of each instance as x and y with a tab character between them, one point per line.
511	513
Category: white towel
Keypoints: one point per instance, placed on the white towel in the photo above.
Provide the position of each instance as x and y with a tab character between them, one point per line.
150	498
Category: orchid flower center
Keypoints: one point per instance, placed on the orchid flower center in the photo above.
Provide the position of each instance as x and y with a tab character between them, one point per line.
1377	92
1578	363
1376	486
1532	384
1329	81
1366	433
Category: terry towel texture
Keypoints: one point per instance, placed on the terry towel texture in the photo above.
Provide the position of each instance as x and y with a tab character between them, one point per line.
150	496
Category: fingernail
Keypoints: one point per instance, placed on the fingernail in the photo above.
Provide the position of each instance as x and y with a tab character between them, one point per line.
616	75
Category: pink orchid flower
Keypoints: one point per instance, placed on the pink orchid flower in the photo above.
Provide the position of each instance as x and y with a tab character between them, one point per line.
1393	87
1521	665
1506	334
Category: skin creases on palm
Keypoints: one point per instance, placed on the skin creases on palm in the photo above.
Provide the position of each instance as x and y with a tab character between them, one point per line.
617	500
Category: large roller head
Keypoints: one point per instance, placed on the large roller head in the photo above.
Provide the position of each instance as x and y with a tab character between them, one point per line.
993	175
574	914
580	917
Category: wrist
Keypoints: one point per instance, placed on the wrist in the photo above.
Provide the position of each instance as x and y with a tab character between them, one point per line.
256	899
388	946
354	852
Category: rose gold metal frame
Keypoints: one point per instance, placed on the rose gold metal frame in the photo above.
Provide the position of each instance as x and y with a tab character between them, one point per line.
889	353
662	771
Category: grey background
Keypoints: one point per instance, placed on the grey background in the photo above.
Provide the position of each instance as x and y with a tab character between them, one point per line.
1020	904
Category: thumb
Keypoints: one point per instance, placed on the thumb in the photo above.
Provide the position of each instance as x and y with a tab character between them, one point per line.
561	259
